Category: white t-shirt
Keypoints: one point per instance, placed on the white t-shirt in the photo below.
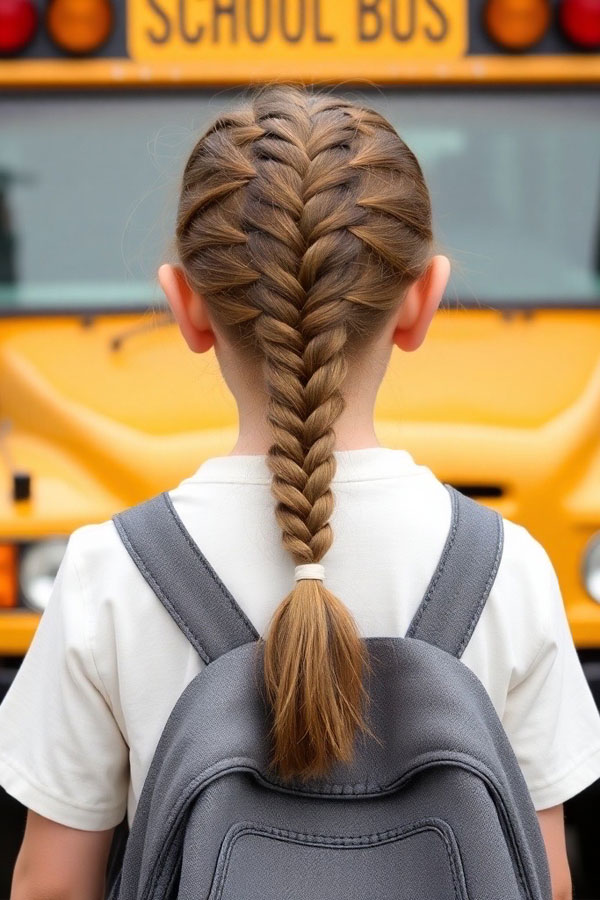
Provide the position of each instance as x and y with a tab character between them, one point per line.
80	723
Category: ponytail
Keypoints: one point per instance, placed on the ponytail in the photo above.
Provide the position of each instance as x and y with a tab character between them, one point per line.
314	660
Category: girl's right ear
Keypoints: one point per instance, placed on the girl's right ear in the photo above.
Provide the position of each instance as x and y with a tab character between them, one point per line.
189	308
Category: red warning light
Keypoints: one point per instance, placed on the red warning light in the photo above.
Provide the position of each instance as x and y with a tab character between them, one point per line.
580	21
18	21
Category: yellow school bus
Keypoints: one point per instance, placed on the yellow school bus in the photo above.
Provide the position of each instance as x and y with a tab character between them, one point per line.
103	406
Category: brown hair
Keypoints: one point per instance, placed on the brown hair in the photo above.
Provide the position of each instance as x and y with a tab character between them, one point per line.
303	217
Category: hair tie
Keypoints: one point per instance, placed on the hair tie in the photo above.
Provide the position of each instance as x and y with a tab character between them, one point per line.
310	570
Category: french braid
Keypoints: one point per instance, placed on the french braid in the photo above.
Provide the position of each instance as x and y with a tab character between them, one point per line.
303	218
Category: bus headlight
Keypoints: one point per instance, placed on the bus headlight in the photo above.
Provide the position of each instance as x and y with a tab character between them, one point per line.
37	571
591	568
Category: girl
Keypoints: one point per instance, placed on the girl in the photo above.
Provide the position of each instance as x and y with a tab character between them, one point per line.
305	252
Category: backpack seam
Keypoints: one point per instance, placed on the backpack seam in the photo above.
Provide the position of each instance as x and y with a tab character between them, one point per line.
440	566
395	834
191	635
206	566
487	588
198	783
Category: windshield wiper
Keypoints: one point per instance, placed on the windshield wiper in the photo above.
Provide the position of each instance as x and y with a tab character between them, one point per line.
165	317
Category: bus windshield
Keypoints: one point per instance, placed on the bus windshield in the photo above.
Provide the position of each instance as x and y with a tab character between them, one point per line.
89	182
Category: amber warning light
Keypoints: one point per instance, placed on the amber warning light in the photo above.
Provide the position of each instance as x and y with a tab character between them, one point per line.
517	24
79	26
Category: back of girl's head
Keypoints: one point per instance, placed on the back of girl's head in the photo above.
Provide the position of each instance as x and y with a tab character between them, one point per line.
302	220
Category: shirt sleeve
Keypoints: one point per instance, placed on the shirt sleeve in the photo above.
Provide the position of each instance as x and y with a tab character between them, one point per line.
62	753
550	714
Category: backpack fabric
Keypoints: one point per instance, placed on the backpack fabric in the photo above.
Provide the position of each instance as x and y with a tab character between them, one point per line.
436	808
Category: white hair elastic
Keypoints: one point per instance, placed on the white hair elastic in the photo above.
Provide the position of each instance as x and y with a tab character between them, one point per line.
310	570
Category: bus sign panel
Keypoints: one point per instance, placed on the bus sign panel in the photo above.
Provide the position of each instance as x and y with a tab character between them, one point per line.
307	32
187	42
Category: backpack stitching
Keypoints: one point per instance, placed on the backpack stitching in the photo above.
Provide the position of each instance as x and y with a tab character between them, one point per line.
157	588
200	781
361	840
488	584
204	562
441	565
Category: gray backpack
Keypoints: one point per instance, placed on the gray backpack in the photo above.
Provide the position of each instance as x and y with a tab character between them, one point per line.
438	810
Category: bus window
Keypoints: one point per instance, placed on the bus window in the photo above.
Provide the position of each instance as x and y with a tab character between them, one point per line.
87	191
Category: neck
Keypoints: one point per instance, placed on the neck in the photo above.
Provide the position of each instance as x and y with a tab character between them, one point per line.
354	430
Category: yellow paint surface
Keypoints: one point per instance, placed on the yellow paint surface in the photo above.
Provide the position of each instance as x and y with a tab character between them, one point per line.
507	403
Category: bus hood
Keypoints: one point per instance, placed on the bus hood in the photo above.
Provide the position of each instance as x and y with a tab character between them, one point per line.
121	398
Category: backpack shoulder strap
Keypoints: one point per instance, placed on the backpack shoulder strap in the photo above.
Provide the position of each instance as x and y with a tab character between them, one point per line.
461	583
191	591
182	578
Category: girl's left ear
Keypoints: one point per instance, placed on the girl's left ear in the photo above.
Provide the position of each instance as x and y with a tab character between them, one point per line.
189	308
420	304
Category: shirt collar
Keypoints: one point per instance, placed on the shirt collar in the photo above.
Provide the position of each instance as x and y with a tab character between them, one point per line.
363	464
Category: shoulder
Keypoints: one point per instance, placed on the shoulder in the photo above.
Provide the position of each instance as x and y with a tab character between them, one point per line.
517	621
530	574
132	639
527	573
94	572
89	555
113	593
104	566
91	547
524	557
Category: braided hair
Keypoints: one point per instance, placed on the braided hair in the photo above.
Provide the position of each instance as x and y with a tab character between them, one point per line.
302	219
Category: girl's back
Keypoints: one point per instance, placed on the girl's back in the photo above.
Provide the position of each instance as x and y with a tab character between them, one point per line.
115	662
305	253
